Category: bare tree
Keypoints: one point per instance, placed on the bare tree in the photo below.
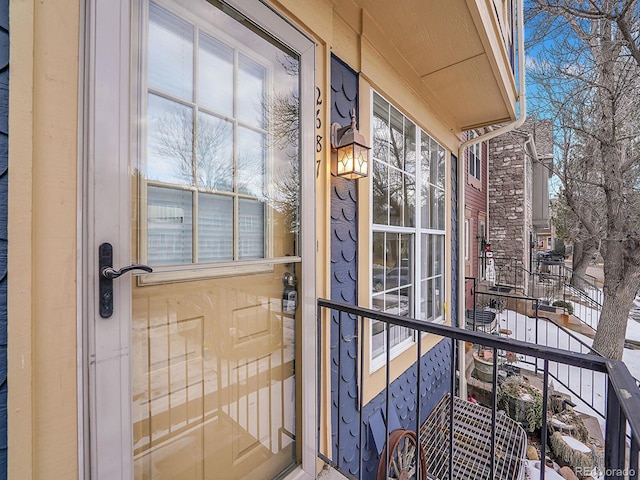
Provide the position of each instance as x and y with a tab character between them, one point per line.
212	164
624	14
587	73
206	159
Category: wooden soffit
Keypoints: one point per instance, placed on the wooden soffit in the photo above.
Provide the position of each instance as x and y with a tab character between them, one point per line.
451	52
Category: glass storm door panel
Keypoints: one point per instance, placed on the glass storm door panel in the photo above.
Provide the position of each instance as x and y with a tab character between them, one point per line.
195	136
213	379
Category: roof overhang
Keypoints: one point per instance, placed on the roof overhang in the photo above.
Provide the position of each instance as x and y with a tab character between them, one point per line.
458	53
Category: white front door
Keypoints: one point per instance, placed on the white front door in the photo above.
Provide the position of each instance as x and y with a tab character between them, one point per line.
199	146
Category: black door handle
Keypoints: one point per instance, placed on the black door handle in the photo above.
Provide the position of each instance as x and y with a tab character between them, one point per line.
107	274
111	273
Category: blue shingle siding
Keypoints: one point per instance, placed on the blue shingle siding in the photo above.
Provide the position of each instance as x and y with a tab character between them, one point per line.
4	177
435	368
344	264
435	381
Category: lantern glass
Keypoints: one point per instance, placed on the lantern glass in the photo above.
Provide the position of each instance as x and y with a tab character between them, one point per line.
352	161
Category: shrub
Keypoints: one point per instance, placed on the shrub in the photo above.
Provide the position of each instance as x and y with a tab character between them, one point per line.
560	247
566	305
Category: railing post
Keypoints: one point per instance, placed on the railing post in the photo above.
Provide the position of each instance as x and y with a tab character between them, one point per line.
475	299
494	413
360	394
543	428
320	372
633	462
615	430
418	395
451	438
339	387
387	394
537	340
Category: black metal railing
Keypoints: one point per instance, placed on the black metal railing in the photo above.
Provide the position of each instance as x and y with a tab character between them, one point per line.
357	398
552	282
525	319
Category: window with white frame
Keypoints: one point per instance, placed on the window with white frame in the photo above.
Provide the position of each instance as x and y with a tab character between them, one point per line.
221	162
408	228
475	158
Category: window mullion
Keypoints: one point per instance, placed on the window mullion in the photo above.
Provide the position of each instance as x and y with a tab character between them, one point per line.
194	225
194	152
417	257
235	186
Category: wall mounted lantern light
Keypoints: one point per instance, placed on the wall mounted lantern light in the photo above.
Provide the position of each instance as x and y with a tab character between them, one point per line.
349	152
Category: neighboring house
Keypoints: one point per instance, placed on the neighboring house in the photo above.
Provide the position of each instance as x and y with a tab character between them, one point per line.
520	166
475	216
193	138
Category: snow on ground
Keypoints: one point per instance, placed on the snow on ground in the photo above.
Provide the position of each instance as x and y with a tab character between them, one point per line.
633	325
630	357
578	382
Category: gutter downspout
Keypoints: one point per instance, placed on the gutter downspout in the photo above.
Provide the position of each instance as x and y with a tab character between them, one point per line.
461	188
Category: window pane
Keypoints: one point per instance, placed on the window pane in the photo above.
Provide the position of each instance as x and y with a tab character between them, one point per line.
425	172
472	161
380	187
215	228
214	153
410	172
215	75
284	203
425	158
170	141
409	146
170	53
396	197
251	229
433	160
410	200
396	154
442	175
438	305
378	270
425	206
379	337
169	226
381	138
427	299
251	100
437	208
438	254
426	265
423	313
440	197
392	261
251	156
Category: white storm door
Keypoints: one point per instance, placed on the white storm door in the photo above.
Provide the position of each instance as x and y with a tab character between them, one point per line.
200	144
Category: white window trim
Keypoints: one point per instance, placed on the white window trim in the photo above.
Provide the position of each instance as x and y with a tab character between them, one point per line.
474	174
379	361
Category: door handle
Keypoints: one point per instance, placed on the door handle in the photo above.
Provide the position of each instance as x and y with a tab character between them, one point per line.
111	273
107	274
